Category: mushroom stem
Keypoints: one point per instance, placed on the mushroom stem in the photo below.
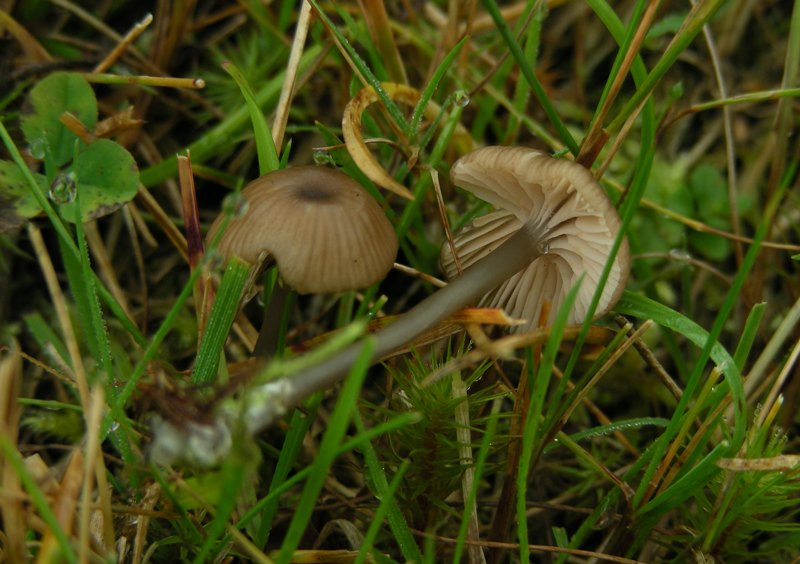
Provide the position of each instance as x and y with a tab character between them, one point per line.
206	444
501	264
267	343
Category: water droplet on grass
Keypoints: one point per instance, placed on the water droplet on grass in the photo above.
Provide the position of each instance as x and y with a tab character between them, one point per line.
680	254
64	188
36	149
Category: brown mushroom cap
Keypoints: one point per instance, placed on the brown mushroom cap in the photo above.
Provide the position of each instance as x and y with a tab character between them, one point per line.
326	233
569	211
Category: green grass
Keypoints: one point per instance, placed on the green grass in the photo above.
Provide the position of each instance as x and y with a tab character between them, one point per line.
662	432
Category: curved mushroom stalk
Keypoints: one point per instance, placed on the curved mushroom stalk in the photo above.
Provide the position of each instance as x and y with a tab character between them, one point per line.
207	444
511	257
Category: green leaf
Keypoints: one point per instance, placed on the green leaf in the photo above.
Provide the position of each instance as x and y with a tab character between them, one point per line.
711	246
710	192
107	177
386	507
17	201
58	93
62	232
642	307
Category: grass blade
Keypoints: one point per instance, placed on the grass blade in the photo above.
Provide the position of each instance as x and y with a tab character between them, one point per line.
232	476
480	465
224	134
729	369
433	84
226	304
339	421
64	236
38	499
530	77
385	493
265	145
292	444
360	66
387	506
700	15
749	334
534	413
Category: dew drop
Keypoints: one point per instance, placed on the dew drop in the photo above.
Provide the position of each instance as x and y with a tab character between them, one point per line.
680	254
461	98
36	149
64	188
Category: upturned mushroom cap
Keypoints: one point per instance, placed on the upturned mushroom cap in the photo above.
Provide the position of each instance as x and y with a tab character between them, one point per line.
326	233
565	206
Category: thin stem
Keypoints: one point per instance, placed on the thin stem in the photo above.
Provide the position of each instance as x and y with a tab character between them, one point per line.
268	341
485	275
201	443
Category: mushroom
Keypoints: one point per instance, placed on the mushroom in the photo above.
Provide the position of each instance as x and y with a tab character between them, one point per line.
324	231
554	222
566	206
570	219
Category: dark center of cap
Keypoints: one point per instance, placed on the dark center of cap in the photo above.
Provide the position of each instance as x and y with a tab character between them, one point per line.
319	193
